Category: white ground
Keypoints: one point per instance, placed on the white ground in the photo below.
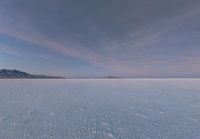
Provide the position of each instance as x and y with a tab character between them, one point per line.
100	109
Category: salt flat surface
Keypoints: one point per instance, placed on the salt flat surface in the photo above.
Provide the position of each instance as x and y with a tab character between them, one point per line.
100	109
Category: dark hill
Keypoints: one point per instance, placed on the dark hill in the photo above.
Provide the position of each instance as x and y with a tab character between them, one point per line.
7	73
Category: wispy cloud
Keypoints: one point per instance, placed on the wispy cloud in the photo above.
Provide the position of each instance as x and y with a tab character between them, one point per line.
136	41
6	49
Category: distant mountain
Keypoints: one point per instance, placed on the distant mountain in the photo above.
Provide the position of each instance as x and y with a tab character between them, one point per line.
7	73
112	77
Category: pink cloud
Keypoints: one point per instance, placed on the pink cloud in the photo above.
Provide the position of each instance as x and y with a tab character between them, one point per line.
80	53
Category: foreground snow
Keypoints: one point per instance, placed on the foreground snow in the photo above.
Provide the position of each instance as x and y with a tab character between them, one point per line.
100	109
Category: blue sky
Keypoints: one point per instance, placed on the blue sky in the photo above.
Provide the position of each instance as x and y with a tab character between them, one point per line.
76	38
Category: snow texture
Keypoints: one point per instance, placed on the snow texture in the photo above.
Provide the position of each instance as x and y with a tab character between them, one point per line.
100	109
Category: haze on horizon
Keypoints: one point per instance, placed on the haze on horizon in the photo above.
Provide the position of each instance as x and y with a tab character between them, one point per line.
88	38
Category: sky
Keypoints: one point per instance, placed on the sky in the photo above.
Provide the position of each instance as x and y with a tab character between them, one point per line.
98	38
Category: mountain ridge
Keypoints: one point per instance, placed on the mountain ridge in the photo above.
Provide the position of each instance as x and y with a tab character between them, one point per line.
15	74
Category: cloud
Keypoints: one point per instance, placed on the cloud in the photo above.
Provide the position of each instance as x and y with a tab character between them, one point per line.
129	41
6	49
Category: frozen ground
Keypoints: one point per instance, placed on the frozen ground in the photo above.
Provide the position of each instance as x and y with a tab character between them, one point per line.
100	109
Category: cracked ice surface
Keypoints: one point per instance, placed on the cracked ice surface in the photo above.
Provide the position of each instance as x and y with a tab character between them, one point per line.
100	109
